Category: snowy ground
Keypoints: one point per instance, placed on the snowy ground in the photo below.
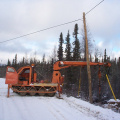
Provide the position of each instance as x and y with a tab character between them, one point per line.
49	108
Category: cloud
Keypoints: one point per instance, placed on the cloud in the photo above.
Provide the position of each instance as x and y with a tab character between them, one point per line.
22	17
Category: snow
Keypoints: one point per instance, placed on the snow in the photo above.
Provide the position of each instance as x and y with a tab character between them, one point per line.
49	108
113	100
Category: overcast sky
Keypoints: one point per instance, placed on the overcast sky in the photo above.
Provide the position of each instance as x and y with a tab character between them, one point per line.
19	17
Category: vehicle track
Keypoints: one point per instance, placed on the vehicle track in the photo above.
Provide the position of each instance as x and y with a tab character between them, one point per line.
62	110
85	110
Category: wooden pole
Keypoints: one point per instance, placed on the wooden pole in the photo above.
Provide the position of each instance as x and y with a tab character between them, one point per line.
79	83
87	58
8	94
99	84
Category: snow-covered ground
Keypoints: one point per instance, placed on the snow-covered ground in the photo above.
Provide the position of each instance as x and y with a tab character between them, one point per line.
49	108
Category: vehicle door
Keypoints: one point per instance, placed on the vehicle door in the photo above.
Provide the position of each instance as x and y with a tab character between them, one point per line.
11	76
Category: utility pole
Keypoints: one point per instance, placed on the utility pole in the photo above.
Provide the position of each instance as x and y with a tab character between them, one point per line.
87	58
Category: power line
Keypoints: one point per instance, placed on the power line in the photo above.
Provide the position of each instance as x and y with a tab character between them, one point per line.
94	7
41	30
52	26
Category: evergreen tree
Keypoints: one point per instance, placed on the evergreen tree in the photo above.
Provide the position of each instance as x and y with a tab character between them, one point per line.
13	62
74	80
31	61
68	48
9	63
15	59
43	67
68	71
60	49
76	43
43	59
23	61
105	56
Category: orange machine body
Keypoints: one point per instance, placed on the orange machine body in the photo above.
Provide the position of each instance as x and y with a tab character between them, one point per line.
24	81
65	64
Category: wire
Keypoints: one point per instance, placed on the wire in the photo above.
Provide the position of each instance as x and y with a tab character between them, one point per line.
51	27
94	7
41	30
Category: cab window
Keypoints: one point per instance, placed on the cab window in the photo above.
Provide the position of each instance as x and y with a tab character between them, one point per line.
11	70
27	71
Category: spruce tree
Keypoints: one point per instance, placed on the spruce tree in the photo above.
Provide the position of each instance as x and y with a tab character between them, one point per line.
13	62
76	43
15	59
68	48
68	71
76	57
43	59
9	63
23	61
105	56
60	49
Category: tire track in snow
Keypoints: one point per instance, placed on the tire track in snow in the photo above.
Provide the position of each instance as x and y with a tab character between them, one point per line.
51	110
61	110
79	107
1	109
65	113
57	111
22	109
85	110
8	106
9	110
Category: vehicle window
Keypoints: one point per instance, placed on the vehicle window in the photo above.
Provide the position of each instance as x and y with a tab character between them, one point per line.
11	70
27	71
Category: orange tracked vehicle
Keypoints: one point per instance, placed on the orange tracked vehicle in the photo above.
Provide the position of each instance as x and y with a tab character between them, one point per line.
24	80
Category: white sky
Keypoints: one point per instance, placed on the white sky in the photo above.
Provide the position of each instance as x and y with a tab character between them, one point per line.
25	16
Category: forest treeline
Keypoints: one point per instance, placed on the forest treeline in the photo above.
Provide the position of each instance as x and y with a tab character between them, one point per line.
75	51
